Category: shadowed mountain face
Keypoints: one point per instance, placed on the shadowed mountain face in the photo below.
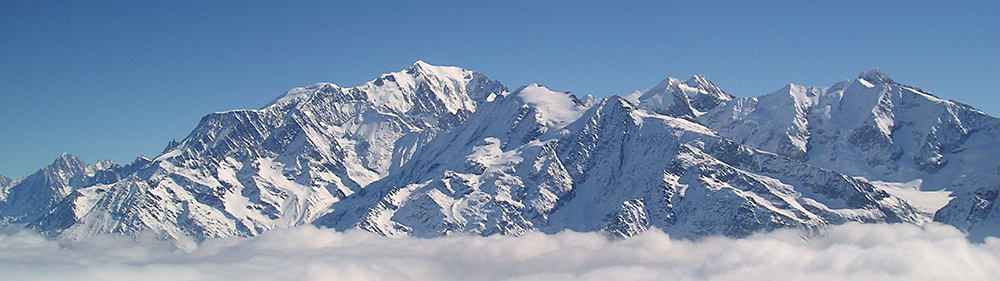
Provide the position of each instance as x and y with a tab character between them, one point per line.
243	172
875	128
27	199
434	150
870	127
537	160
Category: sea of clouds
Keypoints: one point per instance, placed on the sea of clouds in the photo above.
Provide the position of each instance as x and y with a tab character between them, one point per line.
848	252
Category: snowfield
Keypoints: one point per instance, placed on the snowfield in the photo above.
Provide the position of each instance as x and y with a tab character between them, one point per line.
439	173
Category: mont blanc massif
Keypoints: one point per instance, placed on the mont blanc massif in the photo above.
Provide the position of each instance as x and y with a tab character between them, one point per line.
437	150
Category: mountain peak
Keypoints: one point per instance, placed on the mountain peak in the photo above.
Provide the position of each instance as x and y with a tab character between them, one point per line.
65	160
292	95
421	68
105	164
530	86
697	80
701	82
876	76
65	167
420	63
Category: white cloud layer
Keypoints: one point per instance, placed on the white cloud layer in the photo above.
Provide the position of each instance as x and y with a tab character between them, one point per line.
848	252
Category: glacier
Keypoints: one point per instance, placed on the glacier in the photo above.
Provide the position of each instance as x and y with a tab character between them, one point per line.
438	150
875	128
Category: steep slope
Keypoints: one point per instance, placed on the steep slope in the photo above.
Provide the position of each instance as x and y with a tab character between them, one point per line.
5	183
519	165
434	150
242	172
871	127
750	120
682	99
26	199
875	128
976	213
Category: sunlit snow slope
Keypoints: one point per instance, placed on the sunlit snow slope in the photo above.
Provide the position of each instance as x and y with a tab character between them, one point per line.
435	150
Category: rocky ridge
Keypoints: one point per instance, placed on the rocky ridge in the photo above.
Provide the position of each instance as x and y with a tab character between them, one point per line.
435	150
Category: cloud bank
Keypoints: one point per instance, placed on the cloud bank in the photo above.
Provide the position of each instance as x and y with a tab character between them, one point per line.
851	251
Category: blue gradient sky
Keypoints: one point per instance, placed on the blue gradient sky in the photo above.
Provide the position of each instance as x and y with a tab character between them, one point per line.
119	79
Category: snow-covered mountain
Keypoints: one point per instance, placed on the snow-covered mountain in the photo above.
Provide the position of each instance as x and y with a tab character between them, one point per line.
870	127
433	150
875	128
682	99
26	199
4	184
243	172
548	161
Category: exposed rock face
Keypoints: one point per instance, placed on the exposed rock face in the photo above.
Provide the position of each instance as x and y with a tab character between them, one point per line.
433	150
606	166
875	128
242	172
973	212
27	199
870	127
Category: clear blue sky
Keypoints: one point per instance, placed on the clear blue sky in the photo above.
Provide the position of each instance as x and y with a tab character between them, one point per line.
119	79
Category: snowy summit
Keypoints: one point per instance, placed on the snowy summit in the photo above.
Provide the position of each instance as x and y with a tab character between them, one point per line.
437	150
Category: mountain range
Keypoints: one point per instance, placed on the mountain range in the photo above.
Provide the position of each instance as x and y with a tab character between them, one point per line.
436	150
